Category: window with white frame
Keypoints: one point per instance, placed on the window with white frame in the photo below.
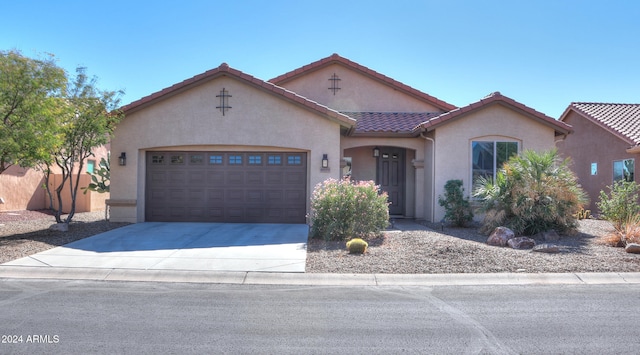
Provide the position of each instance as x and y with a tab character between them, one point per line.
623	170
487	157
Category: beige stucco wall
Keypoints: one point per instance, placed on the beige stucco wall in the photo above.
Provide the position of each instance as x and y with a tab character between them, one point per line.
357	92
591	143
21	189
495	122
258	120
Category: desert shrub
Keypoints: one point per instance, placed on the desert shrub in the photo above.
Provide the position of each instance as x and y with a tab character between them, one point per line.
626	232
457	207
357	246
532	193
621	205
342	209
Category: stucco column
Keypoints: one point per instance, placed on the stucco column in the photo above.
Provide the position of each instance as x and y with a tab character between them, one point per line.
419	186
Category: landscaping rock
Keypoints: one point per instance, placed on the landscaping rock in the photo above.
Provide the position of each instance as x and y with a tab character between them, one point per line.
60	227
500	236
633	248
521	243
546	248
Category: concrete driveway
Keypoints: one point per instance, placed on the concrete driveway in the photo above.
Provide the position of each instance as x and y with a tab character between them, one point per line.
184	246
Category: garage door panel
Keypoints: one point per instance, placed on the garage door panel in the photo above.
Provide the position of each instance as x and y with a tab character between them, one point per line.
226	187
274	177
255	196
177	177
234	196
196	214
255	177
216	213
177	194
295	178
234	213
198	178
158	176
235	178
197	197
215	196
274	196
215	177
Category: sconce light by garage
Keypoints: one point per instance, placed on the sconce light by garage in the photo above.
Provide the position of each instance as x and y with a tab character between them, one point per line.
122	159
376	152
325	161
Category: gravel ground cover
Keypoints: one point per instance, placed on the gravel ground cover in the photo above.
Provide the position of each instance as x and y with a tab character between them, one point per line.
464	250
421	249
23	233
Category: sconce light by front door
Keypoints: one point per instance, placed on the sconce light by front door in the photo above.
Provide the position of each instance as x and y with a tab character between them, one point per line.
325	161
376	152
122	159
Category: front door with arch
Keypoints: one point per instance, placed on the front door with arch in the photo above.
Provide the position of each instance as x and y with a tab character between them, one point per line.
390	175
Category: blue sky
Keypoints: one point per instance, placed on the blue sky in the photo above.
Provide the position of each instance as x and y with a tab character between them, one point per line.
545	53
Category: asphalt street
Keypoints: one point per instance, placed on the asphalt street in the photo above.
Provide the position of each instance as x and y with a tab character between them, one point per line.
57	316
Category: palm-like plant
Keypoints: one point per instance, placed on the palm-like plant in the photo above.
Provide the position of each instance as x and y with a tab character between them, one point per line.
533	192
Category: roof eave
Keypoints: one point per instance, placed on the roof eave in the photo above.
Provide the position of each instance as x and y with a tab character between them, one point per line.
378	134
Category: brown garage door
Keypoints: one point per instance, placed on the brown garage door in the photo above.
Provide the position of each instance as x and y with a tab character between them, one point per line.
247	187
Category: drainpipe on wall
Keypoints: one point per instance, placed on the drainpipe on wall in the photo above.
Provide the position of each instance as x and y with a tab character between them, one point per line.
433	175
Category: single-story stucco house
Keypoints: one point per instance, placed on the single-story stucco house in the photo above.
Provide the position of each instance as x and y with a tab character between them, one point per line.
604	146
224	146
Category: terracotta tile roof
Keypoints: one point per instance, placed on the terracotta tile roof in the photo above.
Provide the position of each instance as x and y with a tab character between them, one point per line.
335	58
496	97
389	122
225	70
622	120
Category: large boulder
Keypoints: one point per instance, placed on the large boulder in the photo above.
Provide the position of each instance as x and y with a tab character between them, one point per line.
632	248
521	243
500	236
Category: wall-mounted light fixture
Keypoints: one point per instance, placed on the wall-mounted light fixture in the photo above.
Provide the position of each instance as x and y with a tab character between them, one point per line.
122	159
376	152
325	161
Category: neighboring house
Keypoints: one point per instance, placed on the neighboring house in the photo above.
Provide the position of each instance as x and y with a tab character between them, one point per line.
605	144
22	189
225	146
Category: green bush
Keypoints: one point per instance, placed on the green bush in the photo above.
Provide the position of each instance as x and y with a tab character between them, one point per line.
532	193
357	246
342	209
621	204
457	207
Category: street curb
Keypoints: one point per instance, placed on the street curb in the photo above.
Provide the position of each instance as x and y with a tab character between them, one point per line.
304	279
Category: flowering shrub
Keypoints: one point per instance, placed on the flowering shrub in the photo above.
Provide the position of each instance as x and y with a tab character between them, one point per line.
342	209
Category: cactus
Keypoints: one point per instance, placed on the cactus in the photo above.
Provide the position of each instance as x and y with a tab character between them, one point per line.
357	246
583	214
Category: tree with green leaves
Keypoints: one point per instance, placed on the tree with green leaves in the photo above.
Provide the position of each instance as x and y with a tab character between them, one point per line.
29	89
87	121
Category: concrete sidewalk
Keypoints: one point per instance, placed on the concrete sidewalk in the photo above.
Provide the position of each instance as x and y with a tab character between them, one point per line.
301	279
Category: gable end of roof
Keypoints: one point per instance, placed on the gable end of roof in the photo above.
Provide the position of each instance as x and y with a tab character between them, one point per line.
560	128
621	120
223	70
335	58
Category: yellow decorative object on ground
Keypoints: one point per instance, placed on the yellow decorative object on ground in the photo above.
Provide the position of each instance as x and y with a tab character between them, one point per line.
357	246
